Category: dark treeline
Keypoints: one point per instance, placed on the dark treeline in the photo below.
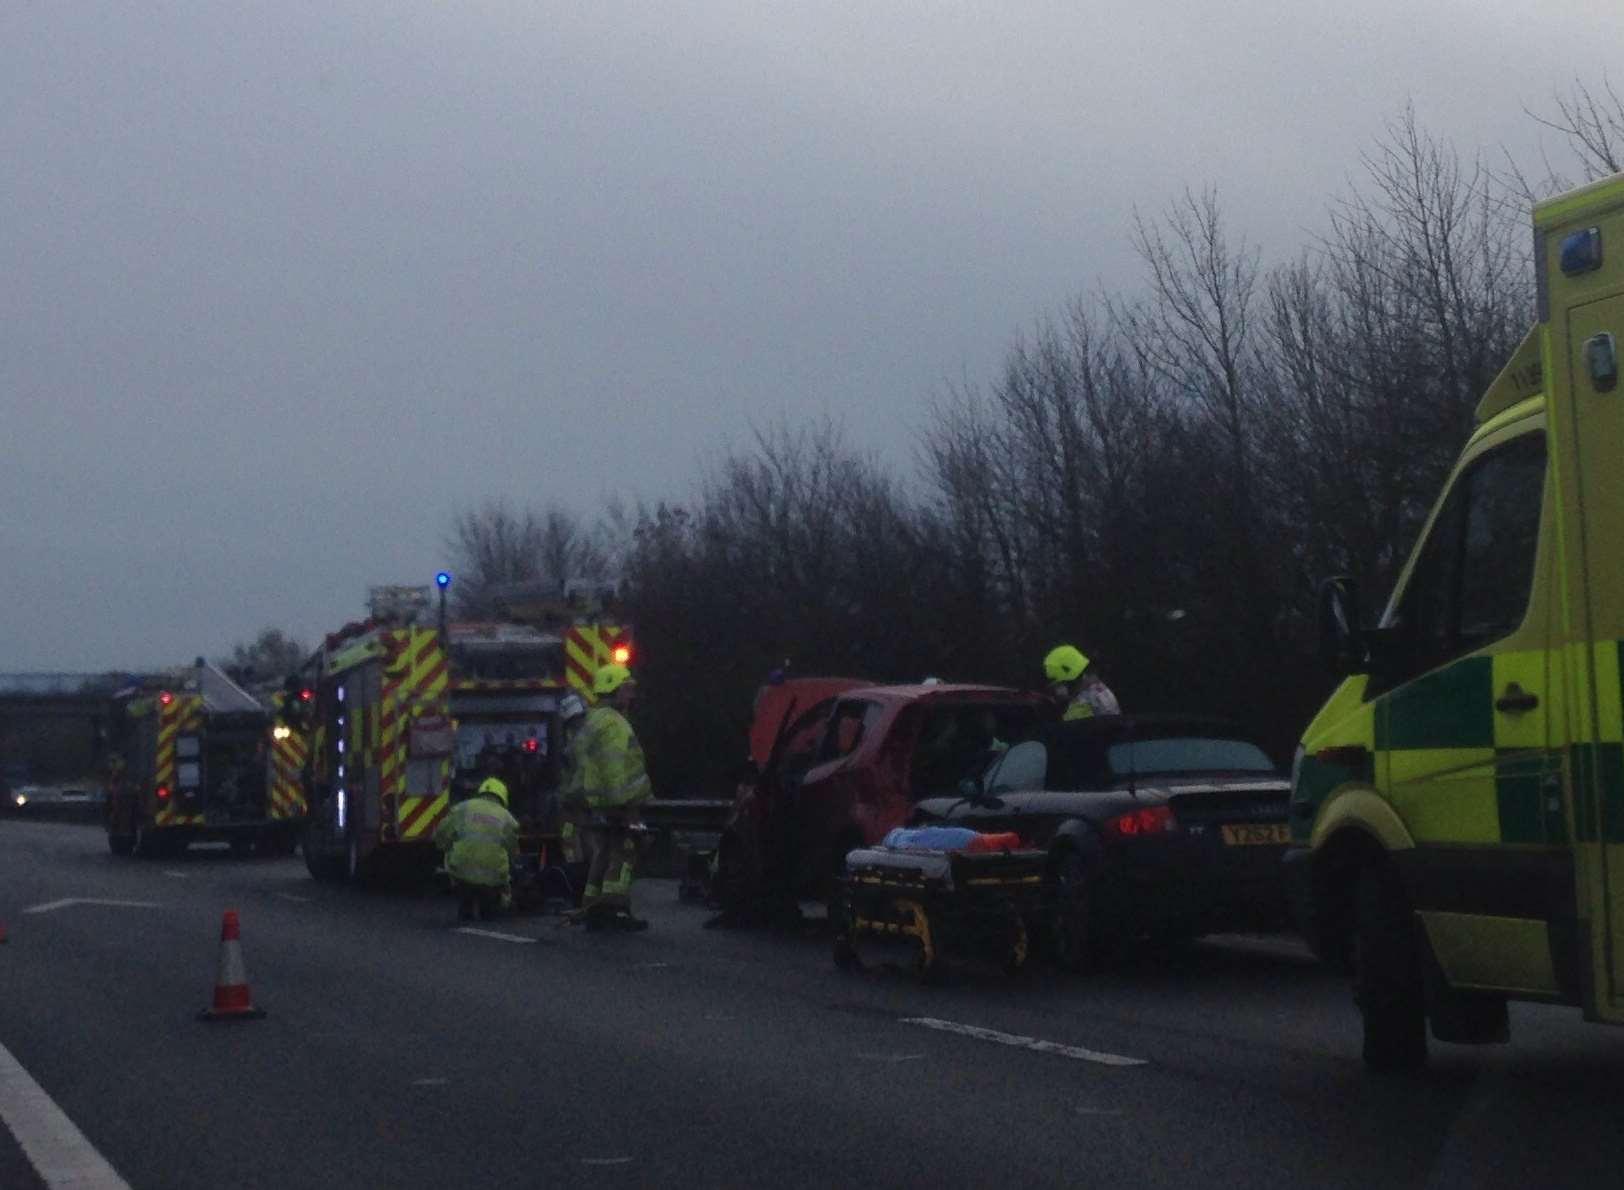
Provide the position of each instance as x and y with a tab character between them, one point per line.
1161	478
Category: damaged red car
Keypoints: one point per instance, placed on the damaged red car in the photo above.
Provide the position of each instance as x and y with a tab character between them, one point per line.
837	762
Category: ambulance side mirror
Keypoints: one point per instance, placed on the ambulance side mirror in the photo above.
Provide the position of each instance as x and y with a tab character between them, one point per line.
1344	648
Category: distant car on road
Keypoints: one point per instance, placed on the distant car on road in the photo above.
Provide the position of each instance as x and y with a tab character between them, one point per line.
55	801
1164	825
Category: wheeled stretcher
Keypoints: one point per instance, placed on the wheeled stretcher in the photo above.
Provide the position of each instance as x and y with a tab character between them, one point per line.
938	892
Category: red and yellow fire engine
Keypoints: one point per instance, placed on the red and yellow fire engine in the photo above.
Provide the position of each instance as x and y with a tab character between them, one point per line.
407	716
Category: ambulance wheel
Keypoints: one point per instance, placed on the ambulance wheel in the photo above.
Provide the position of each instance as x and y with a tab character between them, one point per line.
845	954
1071	939
242	845
1387	975
121	844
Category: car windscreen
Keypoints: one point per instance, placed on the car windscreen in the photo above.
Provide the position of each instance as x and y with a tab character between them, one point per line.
1187	754
852	720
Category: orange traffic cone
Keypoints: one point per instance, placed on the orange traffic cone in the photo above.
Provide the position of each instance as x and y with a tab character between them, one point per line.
232	1001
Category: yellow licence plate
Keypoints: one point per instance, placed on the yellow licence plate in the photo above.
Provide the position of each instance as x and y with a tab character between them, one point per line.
1243	834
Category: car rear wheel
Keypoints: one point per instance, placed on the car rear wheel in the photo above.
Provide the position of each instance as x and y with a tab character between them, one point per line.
1071	940
1387	975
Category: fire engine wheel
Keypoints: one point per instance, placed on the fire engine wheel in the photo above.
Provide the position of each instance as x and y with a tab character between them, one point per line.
358	870
148	843
1070	933
1387	975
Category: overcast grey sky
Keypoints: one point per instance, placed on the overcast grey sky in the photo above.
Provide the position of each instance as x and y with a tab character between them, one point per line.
284	286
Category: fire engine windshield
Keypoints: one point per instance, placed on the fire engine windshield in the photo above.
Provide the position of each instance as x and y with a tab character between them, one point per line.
486	662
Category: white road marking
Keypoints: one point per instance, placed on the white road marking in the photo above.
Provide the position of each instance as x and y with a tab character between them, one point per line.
177	875
606	1160
1020	1042
890	1057
296	900
57	1150
648	966
49	906
430	1082
497	934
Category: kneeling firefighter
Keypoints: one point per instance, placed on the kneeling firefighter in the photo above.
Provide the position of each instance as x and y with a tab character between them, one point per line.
481	842
614	784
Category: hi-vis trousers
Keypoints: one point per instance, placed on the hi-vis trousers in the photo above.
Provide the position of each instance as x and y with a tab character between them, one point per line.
614	859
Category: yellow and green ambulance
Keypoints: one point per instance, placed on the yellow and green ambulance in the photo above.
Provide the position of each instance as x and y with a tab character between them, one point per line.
1457	813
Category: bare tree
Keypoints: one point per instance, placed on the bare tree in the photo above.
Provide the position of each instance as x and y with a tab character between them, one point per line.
269	657
1195	330
1592	125
495	550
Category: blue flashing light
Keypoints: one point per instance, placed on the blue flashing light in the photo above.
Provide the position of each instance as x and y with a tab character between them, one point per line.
1581	252
442	579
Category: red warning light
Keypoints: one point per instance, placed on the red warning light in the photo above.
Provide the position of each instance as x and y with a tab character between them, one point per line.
306	694
530	745
622	654
163	793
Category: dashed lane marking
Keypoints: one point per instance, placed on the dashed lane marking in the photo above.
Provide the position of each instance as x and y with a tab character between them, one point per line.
1019	1042
177	875
496	934
606	1160
890	1057
57	1149
50	906
294	899
430	1082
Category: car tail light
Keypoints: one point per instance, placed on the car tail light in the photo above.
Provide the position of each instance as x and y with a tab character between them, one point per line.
1147	820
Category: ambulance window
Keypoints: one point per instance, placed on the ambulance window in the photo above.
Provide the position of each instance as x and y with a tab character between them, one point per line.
1502	535
1471	584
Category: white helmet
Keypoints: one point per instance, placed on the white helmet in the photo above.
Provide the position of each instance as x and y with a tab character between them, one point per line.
571	706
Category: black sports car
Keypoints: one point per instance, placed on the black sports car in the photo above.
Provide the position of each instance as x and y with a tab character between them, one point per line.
1163	825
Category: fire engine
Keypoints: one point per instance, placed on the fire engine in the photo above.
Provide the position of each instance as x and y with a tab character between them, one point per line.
409	717
195	759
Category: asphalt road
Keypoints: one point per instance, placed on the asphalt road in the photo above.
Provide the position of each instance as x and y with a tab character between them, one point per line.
399	1052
